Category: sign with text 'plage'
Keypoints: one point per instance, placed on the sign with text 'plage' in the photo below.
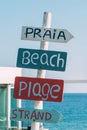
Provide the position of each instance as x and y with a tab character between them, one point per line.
46	34
38	89
35	115
41	59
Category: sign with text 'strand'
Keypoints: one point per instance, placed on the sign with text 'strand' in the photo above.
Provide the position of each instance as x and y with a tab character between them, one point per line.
35	115
46	34
41	59
38	89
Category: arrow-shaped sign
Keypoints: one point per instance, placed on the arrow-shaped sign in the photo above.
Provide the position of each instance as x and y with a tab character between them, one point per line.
46	34
37	115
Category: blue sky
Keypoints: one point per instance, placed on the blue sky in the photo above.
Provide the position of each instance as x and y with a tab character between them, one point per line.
70	15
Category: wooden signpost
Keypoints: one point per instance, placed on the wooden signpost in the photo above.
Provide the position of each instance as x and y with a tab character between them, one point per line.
35	115
38	89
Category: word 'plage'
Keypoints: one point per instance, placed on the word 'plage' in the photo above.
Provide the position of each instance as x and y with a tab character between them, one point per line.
38	89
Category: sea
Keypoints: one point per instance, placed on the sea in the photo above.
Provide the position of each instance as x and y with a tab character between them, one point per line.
73	108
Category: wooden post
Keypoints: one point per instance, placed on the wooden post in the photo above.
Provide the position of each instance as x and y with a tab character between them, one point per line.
8	105
19	106
41	73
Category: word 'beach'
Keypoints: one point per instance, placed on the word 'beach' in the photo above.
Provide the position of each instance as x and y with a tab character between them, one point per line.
41	59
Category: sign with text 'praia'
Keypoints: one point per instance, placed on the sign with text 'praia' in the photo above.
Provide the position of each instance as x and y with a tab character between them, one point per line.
38	89
41	59
35	115
46	34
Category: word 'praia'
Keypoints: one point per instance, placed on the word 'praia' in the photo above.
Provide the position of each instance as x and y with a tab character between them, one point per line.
44	33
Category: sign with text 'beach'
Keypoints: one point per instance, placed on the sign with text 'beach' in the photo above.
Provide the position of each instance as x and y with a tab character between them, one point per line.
41	59
46	34
38	89
35	115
